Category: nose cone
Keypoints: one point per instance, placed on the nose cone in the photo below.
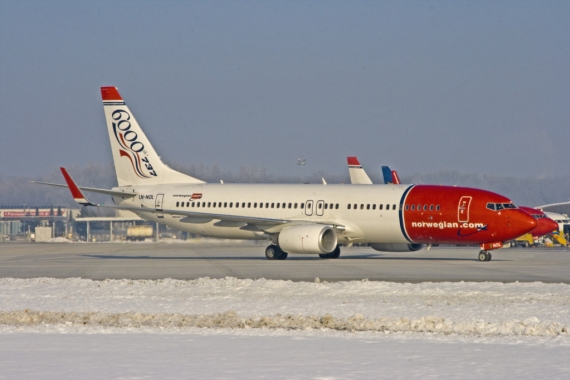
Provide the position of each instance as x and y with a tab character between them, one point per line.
522	223
544	226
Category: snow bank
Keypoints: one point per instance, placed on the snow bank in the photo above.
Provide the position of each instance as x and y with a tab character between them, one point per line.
474	309
430	324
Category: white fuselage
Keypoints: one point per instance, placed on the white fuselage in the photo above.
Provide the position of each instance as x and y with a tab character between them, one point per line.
327	204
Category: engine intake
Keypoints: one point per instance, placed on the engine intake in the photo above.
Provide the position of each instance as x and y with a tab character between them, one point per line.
397	247
308	238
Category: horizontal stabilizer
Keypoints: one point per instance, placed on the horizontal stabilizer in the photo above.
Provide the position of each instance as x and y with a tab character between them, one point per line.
126	193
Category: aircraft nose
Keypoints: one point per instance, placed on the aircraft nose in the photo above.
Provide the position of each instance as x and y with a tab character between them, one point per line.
523	222
550	224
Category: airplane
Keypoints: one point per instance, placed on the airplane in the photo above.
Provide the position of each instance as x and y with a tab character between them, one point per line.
545	223
297	218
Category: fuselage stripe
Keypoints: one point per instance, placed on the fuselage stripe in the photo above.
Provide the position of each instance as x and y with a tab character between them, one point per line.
401	213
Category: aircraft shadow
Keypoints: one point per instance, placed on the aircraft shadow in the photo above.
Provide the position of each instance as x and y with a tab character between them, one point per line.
290	258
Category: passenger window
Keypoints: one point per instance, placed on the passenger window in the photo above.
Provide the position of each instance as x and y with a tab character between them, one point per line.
266	204
225	204
255	205
355	206
348	207
278	205
295	205
413	207
214	205
290	205
326	206
284	205
192	204
176	204
302	205
362	206
231	204
368	206
273	205
261	205
336	206
374	206
407	207
437	208
425	207
187	204
393	207
380	207
209	203
248	204
242	204
431	207
319	206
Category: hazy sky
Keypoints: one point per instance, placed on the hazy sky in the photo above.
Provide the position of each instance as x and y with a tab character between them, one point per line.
475	86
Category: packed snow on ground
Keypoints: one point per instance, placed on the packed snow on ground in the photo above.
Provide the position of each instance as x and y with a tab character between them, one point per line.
232	328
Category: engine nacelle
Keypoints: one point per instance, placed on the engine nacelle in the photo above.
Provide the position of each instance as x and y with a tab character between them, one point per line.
308	238
397	247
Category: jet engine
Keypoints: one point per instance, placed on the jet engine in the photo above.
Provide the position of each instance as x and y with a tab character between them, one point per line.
397	247
308	238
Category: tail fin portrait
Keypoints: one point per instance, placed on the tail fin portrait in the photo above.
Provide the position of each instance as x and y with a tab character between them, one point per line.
136	161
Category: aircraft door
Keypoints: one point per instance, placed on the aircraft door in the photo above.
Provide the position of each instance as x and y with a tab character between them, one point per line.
320	209
158	205
309	208
463	209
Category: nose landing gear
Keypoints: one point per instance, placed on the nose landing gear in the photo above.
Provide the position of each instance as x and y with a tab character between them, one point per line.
485	256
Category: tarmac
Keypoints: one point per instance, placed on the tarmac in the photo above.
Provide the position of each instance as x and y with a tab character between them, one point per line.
219	259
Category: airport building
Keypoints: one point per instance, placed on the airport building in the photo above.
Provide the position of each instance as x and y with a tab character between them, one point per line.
44	223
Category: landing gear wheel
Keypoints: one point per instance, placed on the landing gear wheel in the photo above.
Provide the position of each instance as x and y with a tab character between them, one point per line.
485	256
272	252
336	253
333	255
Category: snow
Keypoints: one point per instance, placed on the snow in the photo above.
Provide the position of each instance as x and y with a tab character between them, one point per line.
233	328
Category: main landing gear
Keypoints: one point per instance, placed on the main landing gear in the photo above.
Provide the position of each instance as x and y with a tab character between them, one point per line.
333	255
485	256
273	252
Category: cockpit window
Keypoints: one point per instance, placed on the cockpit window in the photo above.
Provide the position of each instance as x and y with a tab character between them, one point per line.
500	206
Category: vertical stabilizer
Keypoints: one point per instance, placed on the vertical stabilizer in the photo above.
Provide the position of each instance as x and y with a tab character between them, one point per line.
136	161
357	174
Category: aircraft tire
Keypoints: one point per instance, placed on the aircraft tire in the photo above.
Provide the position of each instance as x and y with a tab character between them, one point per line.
282	254
272	252
484	256
325	255
336	253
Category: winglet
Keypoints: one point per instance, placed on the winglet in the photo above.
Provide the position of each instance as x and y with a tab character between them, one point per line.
75	191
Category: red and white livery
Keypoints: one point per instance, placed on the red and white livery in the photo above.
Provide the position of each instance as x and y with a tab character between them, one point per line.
298	219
